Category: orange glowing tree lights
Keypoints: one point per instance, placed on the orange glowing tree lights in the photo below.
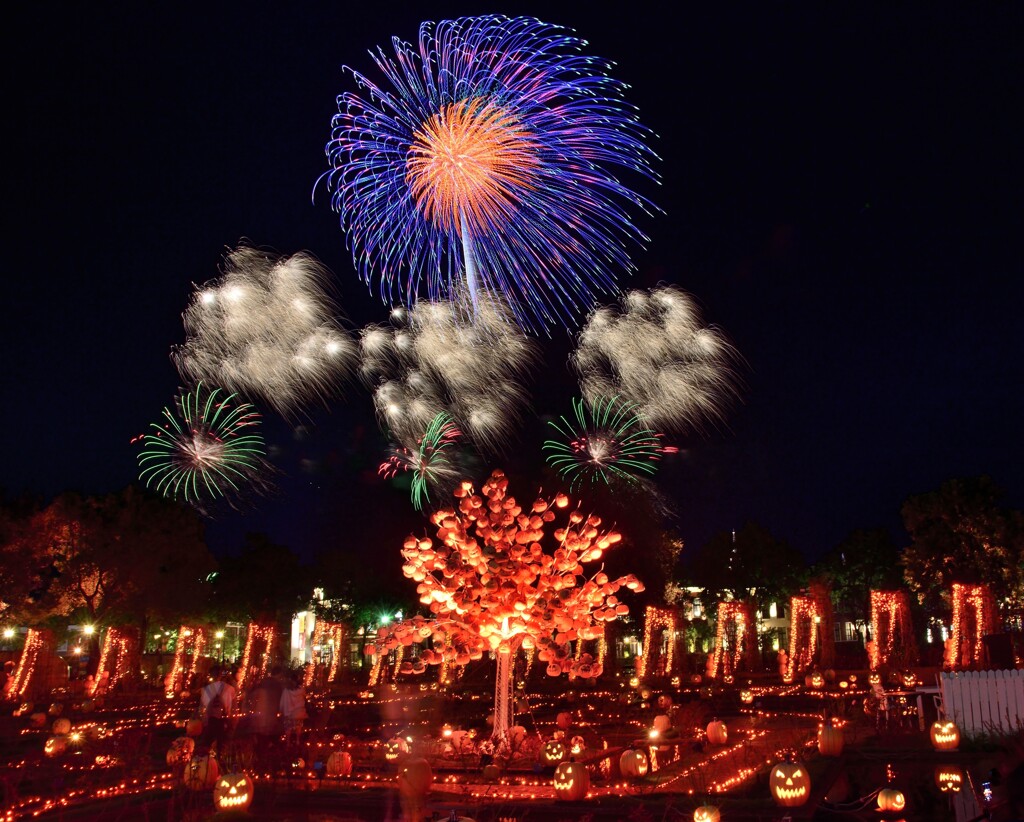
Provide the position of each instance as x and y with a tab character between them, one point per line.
656	619
119	656
325	634
820	592
38	641
974	616
188	650
803	635
735	645
892	633
259	644
491	586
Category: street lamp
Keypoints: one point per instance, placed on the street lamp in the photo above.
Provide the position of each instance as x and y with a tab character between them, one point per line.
89	630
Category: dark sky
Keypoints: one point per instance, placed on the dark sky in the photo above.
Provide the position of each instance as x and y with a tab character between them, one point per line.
840	194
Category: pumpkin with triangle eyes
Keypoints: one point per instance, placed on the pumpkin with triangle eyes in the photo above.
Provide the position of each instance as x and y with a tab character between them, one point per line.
945	736
707	813
633	763
554	751
233	792
790	784
571	781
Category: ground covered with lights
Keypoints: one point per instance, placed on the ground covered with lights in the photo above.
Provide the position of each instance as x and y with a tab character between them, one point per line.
412	750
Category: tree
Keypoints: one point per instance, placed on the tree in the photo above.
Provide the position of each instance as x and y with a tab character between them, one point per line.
960	534
265	582
866	560
490	585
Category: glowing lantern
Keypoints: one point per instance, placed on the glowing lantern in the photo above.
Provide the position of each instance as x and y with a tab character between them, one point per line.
339	763
55	745
201	773
890	799
790	784
909	679
662	723
181	751
233	792
664	702
830	740
394	748
746	696
571	781
61	726
706	813
949	778
194	727
415	779
23	709
633	763
554	751
718	733
874	678
577	745
815	680
945	736
563	720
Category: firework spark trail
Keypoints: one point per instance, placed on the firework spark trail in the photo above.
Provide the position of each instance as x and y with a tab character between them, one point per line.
436	359
208	449
266	329
657	354
608	441
430	463
486	160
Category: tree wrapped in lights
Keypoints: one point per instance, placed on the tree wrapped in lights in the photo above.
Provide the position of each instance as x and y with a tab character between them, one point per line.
974	616
38	645
325	634
804	635
259	646
119	657
491	586
892	632
735	639
188	650
657	619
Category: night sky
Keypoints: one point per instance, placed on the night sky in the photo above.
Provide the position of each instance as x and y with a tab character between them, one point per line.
840	195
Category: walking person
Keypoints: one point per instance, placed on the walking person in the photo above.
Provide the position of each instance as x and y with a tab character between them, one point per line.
217	701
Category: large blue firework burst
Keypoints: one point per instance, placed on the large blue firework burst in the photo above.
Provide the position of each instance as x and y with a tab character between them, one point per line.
488	160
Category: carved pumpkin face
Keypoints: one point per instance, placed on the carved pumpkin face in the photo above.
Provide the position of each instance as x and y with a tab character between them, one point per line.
909	679
571	781
945	736
633	763
874	678
706	813
577	745
394	748
339	763
746	696
718	733
233	792
790	784
181	750
890	799
949	778
554	751
55	745
24	709
816	680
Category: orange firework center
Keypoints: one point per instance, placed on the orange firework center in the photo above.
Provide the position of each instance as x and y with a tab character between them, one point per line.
466	162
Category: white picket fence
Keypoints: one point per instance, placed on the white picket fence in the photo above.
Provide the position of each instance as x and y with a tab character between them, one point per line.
984	702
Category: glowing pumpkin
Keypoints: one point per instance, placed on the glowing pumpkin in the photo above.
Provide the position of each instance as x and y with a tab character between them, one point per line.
633	763
233	792
61	726
830	740
874	678
577	745
415	779
718	733
890	799
662	724
201	773
394	748
554	751
339	763
949	778
746	696
55	745
909	679
945	736
571	781
23	709
790	784
194	727
815	680
181	751
707	813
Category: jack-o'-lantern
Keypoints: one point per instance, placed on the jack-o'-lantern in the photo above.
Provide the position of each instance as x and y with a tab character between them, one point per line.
633	763
201	773
728	679
645	694
554	751
571	781
949	778
815	680
61	726
181	751
634	681
339	763
55	745
194	727
233	792
394	748
909	679
38	719
746	696
577	745
874	678
790	784
415	779
718	733
707	813
24	709
563	720
830	740
56	709
945	735
664	701
662	723
676	681
890	799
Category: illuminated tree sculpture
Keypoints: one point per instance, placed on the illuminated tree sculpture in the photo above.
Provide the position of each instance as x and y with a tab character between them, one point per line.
39	644
119	657
657	619
259	647
735	639
327	636
892	633
492	586
188	650
974	616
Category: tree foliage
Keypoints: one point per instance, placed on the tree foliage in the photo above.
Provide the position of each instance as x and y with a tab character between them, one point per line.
866	560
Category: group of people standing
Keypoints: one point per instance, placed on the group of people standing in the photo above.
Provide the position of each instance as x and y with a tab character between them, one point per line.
273	710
